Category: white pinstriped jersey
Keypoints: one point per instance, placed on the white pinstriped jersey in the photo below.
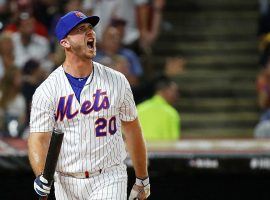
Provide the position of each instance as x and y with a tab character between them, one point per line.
92	128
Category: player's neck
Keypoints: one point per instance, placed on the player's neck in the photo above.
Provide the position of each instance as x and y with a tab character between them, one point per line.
78	68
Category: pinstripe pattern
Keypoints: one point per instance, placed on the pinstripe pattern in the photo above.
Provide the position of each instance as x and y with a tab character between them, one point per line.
110	185
82	150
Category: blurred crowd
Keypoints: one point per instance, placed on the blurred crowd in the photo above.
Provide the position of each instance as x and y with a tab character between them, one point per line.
262	129
29	51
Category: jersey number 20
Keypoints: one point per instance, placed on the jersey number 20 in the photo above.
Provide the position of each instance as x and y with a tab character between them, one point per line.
103	125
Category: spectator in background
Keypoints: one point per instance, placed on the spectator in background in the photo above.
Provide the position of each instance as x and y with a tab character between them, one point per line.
24	6
264	31
104	9
172	67
110	48
118	25
150	30
45	11
17	7
4	13
263	89
29	45
6	53
38	27
160	121
142	18
33	75
262	130
264	18
12	103
119	63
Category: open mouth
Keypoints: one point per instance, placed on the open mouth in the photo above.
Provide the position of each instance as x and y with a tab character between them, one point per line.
90	44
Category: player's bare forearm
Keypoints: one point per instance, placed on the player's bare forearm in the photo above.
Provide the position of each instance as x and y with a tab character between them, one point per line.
38	144
136	147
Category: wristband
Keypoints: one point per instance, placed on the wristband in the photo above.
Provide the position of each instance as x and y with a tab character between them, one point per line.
142	182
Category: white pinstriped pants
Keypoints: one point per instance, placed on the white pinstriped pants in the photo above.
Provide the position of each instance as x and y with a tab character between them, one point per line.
109	185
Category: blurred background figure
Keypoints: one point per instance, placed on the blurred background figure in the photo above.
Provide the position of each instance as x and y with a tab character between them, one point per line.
4	13
264	23
38	27
263	91
28	44
172	67
33	75
97	7
262	130
122	9
150	29
264	31
143	18
121	64
111	48
160	121
45	11
12	104
6	53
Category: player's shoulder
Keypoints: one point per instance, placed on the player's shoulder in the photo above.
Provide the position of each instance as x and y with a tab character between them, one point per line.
103	70
49	85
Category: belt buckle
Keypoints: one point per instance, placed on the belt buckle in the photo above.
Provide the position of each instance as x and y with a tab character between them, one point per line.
86	173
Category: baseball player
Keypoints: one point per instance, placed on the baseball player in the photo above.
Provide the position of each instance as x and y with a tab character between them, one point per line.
91	104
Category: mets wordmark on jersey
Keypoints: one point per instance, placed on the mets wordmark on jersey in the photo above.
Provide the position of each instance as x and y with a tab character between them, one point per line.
92	127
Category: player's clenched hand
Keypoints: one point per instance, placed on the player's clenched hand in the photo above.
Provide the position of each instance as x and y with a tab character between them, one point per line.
41	186
140	190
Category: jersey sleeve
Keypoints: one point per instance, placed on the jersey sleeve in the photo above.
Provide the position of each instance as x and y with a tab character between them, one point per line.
128	111
42	113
